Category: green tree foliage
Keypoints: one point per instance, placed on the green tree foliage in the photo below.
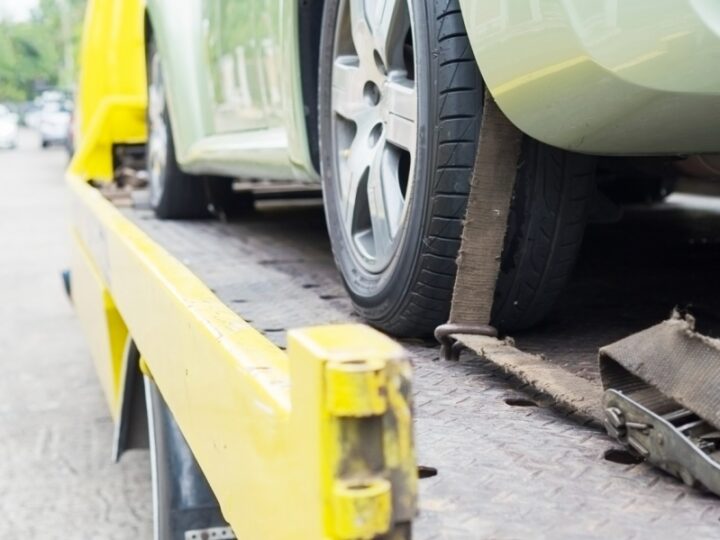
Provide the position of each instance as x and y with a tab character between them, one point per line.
39	53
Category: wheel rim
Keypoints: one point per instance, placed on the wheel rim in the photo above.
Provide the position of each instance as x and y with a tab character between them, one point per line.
374	124
157	131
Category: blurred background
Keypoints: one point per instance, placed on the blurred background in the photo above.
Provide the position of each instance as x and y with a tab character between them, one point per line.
39	40
57	478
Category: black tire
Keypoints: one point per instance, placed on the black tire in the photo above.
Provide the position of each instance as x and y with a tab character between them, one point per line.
183	195
551	201
413	294
178	195
182	498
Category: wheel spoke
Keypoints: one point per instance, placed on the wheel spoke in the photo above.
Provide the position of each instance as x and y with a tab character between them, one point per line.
392	194
390	22
402	114
347	95
361	36
357	161
379	219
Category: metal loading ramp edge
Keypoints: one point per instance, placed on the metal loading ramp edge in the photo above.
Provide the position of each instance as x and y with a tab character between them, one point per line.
288	441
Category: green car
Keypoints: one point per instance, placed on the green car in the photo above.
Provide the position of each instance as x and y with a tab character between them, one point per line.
380	101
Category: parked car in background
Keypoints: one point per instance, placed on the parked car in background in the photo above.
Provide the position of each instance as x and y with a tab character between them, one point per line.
70	135
31	115
54	124
8	128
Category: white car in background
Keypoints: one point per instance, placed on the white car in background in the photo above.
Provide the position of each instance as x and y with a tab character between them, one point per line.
8	128
54	124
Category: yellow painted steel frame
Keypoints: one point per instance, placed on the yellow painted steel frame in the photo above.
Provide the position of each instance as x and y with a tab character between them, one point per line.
313	443
112	98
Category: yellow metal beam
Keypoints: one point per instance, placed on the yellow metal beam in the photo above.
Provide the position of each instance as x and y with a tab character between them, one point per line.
101	323
315	443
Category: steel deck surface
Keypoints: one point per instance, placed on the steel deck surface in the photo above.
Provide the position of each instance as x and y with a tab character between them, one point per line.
504	470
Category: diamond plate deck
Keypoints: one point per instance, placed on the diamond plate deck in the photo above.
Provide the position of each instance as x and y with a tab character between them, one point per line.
504	471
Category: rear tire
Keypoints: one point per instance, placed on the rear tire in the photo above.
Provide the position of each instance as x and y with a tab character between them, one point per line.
551	201
411	294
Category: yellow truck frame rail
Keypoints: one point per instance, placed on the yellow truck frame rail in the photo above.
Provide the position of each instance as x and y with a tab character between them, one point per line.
289	442
315	442
112	97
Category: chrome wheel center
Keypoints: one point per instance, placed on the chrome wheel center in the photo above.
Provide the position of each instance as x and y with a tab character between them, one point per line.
157	131
374	100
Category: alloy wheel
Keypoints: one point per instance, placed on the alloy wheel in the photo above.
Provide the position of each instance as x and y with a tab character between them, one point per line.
374	124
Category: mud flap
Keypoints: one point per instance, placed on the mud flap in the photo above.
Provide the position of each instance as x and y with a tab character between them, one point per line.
662	399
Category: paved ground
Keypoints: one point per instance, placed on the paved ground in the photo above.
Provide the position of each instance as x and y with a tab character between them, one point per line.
56	476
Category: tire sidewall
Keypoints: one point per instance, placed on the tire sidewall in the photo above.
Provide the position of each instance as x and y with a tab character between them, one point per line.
379	296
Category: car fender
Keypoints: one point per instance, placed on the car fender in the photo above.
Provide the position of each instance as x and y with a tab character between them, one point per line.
178	28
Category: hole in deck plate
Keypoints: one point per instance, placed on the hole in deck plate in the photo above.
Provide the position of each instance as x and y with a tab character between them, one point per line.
328	297
239	301
621	456
310	285
273	329
426	472
520	402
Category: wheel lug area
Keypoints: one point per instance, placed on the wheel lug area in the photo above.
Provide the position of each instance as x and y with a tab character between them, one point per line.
371	93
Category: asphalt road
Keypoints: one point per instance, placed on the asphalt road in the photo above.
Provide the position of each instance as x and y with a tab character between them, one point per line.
56	476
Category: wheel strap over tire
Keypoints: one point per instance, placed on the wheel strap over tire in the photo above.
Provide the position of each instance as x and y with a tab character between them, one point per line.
486	217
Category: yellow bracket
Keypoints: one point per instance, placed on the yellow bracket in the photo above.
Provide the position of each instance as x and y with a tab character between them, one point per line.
358	382
112	88
315	443
93	156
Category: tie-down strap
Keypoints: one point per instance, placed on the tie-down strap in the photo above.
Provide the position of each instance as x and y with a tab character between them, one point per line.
662	399
488	207
671	357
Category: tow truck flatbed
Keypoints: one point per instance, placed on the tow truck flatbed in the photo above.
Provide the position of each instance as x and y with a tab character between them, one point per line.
509	464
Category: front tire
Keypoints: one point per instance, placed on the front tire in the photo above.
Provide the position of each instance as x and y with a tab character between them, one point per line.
408	291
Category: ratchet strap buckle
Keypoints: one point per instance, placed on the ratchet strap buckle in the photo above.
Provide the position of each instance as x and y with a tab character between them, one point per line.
670	437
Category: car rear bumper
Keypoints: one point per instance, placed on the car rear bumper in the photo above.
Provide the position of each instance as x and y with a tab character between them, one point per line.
605	77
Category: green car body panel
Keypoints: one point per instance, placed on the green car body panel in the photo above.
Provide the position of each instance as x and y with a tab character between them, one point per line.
609	77
615	77
234	86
